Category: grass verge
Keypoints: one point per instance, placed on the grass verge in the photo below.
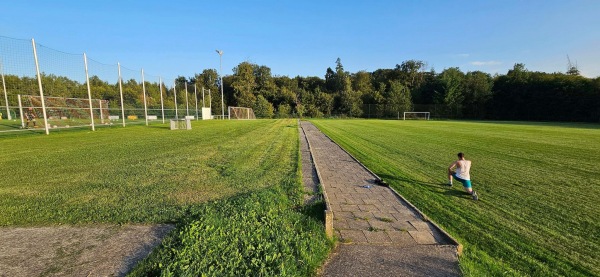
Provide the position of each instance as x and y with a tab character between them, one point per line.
539	185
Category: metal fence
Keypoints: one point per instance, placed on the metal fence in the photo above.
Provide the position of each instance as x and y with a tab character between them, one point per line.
46	89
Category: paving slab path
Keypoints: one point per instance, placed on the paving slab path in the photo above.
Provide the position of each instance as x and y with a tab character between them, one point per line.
379	233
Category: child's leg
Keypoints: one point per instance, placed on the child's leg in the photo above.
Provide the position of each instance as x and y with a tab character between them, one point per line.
450	177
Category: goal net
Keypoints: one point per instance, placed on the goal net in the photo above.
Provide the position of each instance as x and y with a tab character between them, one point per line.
62	112
416	115
241	113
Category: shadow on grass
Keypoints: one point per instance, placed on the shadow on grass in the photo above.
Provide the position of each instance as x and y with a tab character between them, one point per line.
164	127
314	210
441	188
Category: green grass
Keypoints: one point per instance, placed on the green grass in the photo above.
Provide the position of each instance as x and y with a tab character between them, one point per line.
259	234
233	188
539	187
138	173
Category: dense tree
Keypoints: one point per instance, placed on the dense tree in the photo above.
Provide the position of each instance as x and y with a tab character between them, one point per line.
244	84
519	94
477	91
262	107
398	99
209	80
452	94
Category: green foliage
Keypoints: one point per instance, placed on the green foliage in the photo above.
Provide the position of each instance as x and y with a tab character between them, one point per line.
539	185
453	93
263	108
520	94
256	234
398	97
244	83
284	111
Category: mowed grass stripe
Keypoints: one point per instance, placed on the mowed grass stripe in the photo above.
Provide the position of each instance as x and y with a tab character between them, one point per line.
539	185
138	173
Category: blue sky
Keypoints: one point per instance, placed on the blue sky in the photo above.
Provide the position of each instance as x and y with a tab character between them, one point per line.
171	38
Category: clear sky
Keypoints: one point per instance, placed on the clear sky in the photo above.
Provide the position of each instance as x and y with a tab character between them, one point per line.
172	38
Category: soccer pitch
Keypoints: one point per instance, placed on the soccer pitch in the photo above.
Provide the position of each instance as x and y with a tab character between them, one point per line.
138	173
539	187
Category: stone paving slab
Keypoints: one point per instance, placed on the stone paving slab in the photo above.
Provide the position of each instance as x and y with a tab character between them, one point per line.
371	215
390	260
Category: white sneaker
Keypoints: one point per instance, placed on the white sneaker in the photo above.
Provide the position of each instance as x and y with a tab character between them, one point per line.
475	196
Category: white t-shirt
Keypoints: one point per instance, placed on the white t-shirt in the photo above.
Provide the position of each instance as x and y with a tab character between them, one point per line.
463	168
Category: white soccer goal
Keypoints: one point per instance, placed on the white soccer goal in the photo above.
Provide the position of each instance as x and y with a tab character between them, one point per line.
416	115
62	112
241	113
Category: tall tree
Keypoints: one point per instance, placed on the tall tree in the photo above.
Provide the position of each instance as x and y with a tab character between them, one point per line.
411	73
209	80
398	98
262	107
265	84
453	94
477	91
244	84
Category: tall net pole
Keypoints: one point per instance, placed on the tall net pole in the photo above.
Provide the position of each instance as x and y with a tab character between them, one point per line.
144	93
87	78
39	77
175	93
196	97
5	93
21	111
121	94
187	106
162	105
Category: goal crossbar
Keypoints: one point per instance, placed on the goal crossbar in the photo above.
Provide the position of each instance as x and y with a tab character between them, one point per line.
425	115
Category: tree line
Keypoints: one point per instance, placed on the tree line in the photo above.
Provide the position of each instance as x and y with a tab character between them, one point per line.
519	94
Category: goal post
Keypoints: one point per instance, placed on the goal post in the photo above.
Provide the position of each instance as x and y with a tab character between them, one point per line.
241	113
416	115
62	112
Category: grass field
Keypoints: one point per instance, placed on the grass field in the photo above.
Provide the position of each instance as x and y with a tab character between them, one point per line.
142	174
539	187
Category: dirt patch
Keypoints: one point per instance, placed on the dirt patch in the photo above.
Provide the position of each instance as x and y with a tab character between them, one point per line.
107	250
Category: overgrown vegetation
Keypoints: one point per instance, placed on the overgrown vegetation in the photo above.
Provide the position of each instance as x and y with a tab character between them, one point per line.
260	234
539	185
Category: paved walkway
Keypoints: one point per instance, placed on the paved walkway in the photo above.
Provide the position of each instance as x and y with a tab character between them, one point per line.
380	234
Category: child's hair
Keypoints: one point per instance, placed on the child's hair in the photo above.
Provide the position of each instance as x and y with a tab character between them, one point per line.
461	155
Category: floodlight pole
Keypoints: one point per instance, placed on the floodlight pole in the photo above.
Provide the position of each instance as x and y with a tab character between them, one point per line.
220	52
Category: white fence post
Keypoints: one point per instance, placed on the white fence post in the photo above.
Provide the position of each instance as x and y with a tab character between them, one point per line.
121	93
87	79
175	94
144	92
39	77
21	111
196	97
162	106
5	93
187	106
